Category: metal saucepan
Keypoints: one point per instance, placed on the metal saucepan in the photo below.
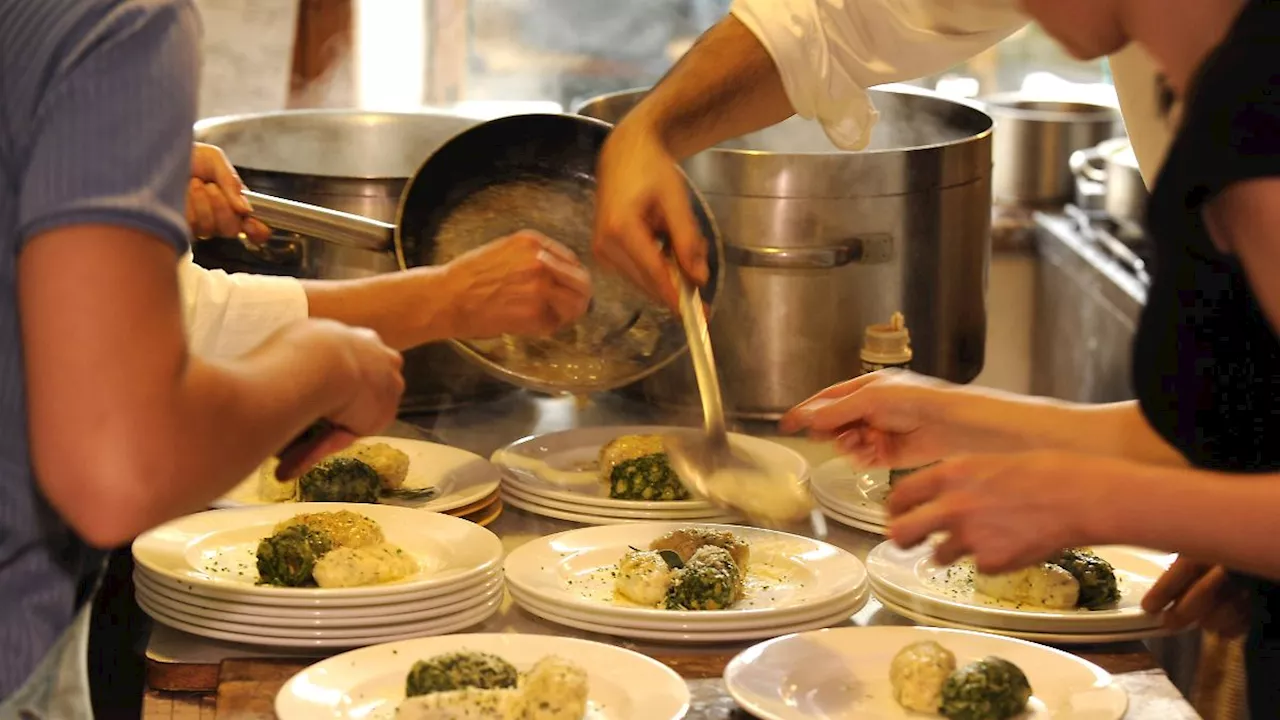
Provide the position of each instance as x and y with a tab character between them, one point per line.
1033	142
532	172
1108	175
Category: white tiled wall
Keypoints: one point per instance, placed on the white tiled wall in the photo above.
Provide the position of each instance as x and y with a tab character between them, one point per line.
248	50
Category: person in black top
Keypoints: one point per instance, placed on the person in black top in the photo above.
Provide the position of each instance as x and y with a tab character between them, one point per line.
1194	465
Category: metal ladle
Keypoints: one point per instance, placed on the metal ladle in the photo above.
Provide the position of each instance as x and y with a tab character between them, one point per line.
705	462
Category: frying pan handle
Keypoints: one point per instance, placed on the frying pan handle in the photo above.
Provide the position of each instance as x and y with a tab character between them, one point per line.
331	226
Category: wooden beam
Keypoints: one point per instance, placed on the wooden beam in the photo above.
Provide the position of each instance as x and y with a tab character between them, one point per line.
323	73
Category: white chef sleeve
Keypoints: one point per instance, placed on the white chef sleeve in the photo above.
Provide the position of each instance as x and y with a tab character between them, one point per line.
228	315
829	51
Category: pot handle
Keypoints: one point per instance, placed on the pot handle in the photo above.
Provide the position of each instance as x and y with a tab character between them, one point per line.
865	249
1087	165
331	226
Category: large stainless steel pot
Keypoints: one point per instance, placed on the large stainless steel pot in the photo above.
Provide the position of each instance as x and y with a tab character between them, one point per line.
1033	143
356	162
821	243
1108	175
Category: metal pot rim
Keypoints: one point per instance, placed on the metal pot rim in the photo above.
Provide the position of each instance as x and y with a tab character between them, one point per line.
894	88
1008	105
210	124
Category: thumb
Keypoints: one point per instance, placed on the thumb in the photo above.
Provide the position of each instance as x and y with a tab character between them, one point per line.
687	242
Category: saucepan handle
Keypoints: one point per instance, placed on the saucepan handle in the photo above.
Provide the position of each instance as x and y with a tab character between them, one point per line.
864	249
331	226
1087	165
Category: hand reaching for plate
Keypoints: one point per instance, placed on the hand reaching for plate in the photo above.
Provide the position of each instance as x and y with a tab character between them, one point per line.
1193	592
1007	511
889	418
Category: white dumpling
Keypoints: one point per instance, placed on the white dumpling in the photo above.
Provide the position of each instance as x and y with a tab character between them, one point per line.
555	689
465	704
917	674
353	567
1044	585
643	577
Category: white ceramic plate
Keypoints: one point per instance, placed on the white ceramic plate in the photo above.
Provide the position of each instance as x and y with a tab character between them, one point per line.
917	580
266	628
367	684
216	550
858	494
704	514
254	637
393	615
1049	638
574	570
854	523
843	673
409	603
562	465
459	477
520	491
785	626
578	517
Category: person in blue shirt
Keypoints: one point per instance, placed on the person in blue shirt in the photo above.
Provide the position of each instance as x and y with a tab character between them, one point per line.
110	425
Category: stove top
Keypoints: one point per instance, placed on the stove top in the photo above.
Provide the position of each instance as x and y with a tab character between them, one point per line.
1122	240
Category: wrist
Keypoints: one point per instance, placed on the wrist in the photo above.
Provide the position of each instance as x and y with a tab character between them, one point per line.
983	420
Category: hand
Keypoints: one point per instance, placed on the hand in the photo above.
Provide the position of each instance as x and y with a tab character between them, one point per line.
523	284
1193	592
1007	511
216	205
364	382
889	418
641	194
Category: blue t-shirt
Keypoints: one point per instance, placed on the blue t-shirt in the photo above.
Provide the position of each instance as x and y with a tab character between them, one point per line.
97	100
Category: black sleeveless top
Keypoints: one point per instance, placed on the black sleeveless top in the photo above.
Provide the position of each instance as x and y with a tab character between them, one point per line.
1206	360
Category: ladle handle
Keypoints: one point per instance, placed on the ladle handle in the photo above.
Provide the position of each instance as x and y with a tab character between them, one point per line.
331	226
704	365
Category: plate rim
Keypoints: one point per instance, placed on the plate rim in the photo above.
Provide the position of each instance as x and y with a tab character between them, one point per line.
141	550
735	666
678	684
854	565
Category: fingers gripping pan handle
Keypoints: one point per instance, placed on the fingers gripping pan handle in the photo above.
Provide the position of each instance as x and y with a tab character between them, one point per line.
331	226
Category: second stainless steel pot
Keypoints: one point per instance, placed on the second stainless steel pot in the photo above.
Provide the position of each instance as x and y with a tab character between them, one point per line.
1033	142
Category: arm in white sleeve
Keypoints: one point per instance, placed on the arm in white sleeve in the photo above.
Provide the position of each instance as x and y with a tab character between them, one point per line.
829	51
228	315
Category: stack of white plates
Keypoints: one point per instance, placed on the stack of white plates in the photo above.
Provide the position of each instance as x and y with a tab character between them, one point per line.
852	497
844	673
912	584
557	475
793	583
199	574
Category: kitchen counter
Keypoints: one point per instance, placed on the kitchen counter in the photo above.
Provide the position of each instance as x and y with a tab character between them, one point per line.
241	682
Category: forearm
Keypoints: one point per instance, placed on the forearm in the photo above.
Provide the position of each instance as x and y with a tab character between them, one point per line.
725	86
406	309
222	421
1006	422
1214	517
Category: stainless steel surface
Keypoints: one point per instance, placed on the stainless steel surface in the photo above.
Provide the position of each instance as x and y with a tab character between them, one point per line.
1107	177
1033	141
1087	309
537	172
821	243
357	162
334	226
